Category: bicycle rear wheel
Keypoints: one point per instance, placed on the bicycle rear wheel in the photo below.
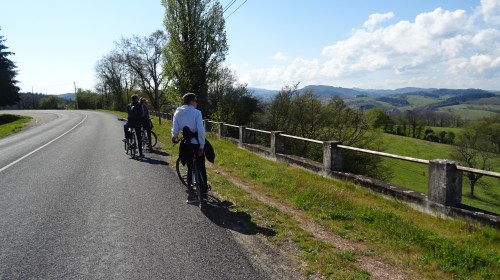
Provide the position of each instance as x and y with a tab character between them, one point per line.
197	183
182	172
133	145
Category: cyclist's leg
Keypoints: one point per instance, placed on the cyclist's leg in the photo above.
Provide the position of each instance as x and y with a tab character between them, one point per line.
137	129
125	130
203	171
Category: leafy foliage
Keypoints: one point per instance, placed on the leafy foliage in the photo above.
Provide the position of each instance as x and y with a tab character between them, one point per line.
9	92
197	45
477	147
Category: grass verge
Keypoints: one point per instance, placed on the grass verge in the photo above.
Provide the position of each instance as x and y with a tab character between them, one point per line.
390	230
10	124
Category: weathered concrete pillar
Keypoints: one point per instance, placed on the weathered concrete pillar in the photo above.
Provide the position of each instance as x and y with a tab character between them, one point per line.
277	145
221	129
206	125
332	157
242	136
445	182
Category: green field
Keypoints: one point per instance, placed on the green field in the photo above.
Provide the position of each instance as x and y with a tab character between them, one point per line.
414	175
12	123
471	112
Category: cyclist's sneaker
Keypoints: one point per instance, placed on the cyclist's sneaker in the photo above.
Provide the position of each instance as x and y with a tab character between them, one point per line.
191	199
124	140
204	196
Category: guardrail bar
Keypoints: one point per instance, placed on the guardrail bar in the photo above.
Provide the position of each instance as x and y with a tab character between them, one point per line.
479	171
302	138
417	160
258	130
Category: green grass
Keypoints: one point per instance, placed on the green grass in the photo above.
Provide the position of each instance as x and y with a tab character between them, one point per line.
10	124
391	231
414	176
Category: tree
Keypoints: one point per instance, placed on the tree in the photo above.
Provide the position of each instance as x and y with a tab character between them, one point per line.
116	78
143	57
88	100
475	147
231	102
51	102
197	45
378	118
304	115
9	92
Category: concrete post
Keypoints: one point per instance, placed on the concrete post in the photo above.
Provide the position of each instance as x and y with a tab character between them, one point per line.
221	129
445	182
277	144
332	157
206	126
242	136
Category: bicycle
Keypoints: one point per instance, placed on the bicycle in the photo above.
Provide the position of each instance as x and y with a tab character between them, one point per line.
130	143
196	178
145	140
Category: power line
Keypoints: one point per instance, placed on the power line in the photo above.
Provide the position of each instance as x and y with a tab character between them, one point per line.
228	6
236	9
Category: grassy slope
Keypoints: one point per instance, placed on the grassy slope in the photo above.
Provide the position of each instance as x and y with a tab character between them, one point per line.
12	123
390	230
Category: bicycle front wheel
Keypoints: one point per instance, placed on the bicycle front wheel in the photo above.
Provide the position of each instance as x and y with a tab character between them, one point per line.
154	139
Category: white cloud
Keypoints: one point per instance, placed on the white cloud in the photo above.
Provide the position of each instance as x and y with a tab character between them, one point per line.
375	19
279	56
490	11
440	48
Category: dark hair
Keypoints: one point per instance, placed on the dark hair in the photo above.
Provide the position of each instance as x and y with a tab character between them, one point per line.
134	97
188	97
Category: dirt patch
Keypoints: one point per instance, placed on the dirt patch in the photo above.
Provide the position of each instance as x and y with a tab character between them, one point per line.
279	262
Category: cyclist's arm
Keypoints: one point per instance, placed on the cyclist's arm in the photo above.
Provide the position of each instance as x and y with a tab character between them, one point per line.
201	130
175	129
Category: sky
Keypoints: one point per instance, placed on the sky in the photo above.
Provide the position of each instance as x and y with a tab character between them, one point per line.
383	44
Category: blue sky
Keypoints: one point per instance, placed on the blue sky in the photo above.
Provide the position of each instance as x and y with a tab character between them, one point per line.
272	43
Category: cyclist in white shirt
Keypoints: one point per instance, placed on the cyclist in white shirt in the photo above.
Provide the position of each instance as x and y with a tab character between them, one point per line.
189	120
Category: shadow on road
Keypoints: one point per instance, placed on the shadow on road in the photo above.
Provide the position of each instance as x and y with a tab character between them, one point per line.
219	212
153	161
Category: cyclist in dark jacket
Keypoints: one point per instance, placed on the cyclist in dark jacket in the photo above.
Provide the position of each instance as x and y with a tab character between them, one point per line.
134	120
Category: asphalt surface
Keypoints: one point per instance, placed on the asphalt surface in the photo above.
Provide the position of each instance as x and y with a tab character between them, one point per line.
73	205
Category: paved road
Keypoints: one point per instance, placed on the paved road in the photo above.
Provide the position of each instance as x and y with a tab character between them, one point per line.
74	206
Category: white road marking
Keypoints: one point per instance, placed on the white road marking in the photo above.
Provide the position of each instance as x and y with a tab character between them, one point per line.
39	148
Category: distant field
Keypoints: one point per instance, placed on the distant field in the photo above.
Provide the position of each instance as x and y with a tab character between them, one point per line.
419	101
455	130
472	112
414	176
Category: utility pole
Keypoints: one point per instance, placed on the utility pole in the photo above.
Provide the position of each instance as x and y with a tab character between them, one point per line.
76	96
